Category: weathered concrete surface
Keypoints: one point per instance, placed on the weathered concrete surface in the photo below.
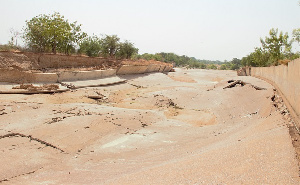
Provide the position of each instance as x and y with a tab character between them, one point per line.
286	78
17	76
244	71
141	69
10	88
85	75
95	82
49	68
180	128
45	78
123	70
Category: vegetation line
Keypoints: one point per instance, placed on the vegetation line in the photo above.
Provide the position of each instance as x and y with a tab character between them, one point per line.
53	33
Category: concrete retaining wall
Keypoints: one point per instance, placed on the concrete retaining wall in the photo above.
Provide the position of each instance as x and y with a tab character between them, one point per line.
123	70
85	75
126	69
167	69
14	67
286	78
16	76
45	77
245	71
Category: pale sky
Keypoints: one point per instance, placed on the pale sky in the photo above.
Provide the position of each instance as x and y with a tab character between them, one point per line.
205	29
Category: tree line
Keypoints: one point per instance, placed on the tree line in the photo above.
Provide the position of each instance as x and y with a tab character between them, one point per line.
180	61
53	33
276	48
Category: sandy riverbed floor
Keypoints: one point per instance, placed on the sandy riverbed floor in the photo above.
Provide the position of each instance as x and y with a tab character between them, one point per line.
176	128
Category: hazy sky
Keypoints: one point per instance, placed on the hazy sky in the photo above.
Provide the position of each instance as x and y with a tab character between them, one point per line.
205	29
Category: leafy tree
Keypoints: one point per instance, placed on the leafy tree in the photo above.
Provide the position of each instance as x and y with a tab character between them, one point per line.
146	56
212	66
276	45
223	67
178	60
296	35
258	58
158	57
261	58
236	64
248	61
127	50
91	46
52	33
110	44
202	66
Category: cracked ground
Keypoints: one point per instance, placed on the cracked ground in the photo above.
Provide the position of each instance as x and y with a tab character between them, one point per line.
176	128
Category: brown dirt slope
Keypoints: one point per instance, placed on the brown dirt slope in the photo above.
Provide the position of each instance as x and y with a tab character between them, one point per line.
50	62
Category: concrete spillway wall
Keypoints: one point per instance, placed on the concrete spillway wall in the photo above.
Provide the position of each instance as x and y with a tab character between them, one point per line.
285	78
16	76
15	67
127	69
85	75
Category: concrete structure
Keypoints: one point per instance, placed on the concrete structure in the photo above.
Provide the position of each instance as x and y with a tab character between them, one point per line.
45	77
126	69
167	68
16	76
245	71
286	79
123	70
153	68
85	75
17	67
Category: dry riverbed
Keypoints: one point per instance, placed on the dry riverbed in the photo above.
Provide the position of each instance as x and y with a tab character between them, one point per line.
177	128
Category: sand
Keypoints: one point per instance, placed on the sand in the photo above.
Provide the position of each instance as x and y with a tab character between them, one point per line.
176	128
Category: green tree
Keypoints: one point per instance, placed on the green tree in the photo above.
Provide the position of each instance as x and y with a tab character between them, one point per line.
277	45
223	67
261	58
127	50
212	66
258	58
236	64
110	45
147	56
52	33
90	46
296	35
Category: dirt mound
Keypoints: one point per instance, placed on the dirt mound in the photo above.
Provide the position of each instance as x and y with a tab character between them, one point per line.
46	62
16	61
